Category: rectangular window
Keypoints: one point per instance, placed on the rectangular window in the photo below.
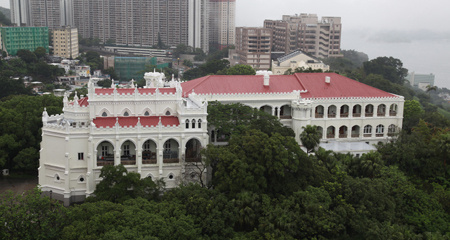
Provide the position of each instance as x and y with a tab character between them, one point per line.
126	150
80	156
104	151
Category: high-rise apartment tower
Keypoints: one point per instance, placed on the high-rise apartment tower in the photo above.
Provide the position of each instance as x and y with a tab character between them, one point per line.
20	12
253	46
144	23
222	23
318	38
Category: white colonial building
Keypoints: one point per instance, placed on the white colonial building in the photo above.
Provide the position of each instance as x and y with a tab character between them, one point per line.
153	131
158	130
350	115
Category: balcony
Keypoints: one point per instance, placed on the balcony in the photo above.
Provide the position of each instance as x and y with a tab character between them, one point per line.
343	135
379	135
355	135
332	115
356	114
367	135
381	114
149	161
369	114
344	115
392	113
286	117
192	160
331	135
170	157
102	163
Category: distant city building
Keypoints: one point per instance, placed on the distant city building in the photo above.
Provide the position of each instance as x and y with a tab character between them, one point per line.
128	68
65	42
143	23
318	38
297	59
222	23
253	46
83	71
20	12
420	80
30	38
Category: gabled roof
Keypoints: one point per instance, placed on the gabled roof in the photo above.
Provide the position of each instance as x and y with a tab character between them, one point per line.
339	87
132	121
312	85
232	84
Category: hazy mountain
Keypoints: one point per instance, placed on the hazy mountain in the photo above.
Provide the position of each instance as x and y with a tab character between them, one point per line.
6	12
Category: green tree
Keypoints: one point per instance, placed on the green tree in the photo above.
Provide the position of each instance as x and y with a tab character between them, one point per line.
390	68
31	216
310	137
111	72
119	185
40	52
27	56
260	163
187	63
411	114
239	69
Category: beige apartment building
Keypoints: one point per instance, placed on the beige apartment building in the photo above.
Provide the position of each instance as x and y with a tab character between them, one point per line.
65	42
253	46
318	38
222	23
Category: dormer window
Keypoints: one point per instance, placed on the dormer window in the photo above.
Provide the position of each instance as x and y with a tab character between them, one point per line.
146	113
126	114
104	114
168	113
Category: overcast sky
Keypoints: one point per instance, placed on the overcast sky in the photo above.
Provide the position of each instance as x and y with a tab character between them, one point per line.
416	32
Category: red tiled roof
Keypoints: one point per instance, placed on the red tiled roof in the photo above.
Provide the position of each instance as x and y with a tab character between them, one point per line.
153	90
313	83
104	91
83	102
132	121
339	87
108	91
227	84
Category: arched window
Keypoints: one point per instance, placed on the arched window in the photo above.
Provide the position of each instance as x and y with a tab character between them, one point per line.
367	131
391	130
168	113
146	113
193	123
379	130
199	123
126	114
104	114
187	123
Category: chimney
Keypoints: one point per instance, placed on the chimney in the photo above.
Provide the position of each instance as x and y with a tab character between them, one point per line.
266	80
327	79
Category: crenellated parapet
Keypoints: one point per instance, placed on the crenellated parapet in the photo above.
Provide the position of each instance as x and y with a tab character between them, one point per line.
279	96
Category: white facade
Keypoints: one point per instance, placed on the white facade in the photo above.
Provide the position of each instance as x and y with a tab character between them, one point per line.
297	59
158	130
153	131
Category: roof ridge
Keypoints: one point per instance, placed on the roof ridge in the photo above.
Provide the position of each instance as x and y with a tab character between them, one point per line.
200	82
300	81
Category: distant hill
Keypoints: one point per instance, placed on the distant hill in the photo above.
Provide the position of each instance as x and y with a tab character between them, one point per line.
5	16
6	12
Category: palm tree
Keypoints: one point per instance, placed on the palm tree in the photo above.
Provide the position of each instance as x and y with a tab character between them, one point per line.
310	137
431	88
